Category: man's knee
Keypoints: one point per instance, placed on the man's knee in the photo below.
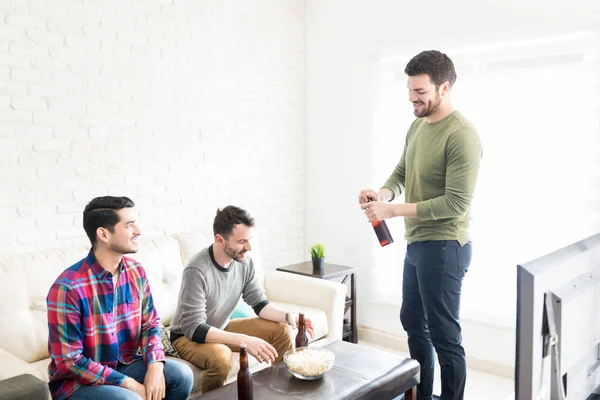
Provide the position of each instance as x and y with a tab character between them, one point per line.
220	361
127	395
409	320
446	335
218	368
104	391
282	340
445	339
282	329
178	374
132	396
282	332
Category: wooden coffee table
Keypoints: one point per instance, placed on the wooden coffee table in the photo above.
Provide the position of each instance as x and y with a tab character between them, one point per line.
359	372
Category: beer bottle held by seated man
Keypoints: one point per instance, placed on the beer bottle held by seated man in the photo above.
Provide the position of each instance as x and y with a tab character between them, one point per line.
301	337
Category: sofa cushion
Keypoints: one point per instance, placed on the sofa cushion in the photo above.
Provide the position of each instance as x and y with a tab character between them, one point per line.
161	260
168	347
41	368
24	283
242	310
191	243
13	366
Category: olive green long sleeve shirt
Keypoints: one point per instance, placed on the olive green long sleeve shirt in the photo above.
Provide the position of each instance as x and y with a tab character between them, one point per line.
438	170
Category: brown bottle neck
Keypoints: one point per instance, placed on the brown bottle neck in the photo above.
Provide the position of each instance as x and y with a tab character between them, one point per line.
301	324
243	358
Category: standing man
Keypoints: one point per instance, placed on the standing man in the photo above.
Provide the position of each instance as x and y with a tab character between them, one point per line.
212	285
100	312
438	171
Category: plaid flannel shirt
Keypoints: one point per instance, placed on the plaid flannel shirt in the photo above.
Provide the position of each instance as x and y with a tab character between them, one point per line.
89	333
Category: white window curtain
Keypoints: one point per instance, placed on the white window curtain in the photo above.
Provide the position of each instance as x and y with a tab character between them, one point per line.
535	102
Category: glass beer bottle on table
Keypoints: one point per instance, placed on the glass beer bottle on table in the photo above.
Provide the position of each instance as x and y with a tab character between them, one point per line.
244	377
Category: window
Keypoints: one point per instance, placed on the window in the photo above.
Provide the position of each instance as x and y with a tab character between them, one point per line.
535	102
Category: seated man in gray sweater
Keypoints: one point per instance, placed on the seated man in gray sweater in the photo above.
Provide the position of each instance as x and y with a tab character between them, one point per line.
213	283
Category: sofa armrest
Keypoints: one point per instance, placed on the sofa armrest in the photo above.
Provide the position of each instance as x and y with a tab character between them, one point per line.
305	291
23	387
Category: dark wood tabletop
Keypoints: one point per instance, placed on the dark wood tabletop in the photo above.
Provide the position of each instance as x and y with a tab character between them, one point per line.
359	372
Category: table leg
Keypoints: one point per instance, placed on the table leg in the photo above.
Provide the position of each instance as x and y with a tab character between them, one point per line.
411	394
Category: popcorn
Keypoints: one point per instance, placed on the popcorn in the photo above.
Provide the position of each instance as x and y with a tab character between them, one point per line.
310	362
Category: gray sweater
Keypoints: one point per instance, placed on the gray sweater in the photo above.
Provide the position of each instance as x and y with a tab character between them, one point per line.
209	294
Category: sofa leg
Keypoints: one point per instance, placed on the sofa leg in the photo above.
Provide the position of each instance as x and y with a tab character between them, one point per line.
411	394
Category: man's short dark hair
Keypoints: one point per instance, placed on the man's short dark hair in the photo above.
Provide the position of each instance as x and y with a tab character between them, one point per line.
229	217
436	64
101	212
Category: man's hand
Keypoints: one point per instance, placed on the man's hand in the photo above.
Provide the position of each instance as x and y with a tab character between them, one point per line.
154	381
378	211
366	195
134	386
260	349
293	320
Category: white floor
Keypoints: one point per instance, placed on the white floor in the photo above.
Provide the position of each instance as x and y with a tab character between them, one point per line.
480	386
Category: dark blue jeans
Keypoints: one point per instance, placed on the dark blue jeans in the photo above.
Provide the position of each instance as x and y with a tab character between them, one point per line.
178	379
431	287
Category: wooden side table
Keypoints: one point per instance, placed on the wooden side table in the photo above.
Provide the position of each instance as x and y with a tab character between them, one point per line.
329	272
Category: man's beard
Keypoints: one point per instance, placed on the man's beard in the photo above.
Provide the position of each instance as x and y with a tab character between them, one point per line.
117	248
237	256
429	108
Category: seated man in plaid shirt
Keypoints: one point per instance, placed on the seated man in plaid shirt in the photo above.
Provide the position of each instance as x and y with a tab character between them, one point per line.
100	312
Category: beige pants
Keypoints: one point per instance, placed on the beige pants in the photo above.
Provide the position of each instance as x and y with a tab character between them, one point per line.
215	358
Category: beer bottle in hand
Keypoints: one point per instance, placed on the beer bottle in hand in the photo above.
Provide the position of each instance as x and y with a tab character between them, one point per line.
383	233
301	337
381	230
244	377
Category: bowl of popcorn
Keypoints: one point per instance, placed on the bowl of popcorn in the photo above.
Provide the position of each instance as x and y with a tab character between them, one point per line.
309	363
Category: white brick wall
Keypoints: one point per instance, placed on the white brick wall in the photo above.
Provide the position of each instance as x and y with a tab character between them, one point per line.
184	106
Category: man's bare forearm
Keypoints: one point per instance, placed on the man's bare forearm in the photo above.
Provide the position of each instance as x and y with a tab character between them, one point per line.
215	335
385	195
273	313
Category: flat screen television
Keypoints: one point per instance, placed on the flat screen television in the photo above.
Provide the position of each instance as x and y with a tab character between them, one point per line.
558	324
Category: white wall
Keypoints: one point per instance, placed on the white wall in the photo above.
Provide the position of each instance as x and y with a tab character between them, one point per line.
184	106
340	37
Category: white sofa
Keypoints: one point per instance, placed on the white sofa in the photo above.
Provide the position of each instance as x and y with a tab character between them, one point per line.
26	278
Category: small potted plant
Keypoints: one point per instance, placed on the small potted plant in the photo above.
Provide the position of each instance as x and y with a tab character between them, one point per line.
317	252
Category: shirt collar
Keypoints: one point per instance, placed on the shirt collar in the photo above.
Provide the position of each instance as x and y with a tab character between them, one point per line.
211	253
97	268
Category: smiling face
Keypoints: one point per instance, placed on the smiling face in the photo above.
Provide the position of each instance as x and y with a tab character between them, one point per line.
425	97
123	238
238	242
